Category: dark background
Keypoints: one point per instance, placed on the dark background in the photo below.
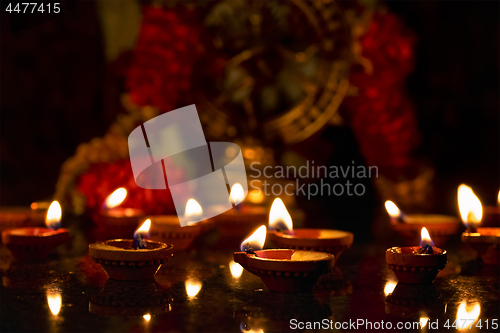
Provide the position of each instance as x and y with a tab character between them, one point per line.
57	91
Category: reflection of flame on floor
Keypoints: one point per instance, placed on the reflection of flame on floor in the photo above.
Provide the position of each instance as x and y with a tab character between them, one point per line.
54	300
236	269
389	287
193	287
467	315
423	321
247	329
147	317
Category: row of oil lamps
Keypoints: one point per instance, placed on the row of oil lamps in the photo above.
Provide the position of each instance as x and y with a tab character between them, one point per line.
303	255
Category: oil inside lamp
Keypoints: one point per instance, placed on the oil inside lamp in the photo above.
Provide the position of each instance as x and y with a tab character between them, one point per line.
143	231
279	217
193	287
467	315
394	212
255	241
54	301
470	208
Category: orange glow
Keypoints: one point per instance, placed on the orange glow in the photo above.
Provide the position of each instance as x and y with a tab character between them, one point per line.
467	315
423	321
54	300
236	269
193	287
147	317
498	198
389	287
392	209
255	196
244	329
279	216
193	208
425	238
53	215
116	198
237	194
256	240
144	228
469	205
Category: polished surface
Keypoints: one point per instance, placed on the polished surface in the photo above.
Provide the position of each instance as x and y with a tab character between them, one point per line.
201	291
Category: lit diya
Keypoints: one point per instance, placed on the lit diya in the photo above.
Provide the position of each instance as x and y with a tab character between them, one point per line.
17	217
167	228
118	222
486	241
243	219
416	264
440	227
284	235
283	270
131	259
35	243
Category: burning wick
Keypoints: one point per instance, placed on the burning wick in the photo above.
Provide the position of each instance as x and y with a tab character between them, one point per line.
394	211
471	210
53	218
237	195
426	243
139	235
279	217
255	241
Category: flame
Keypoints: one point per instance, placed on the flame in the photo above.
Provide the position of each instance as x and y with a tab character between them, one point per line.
498	198
469	205
193	208
236	269
466	318
193	287
116	198
279	217
54	300
423	321
256	240
243	329
237	194
147	317
392	209
425	238
255	196
54	214
144	228
389	287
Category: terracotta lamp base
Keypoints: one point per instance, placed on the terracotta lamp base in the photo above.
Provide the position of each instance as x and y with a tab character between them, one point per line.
486	241
287	270
413	268
121	261
33	244
119	222
167	229
440	227
322	240
17	217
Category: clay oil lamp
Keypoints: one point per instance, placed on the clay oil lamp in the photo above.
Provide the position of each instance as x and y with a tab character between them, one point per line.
416	264
131	259
485	240
243	219
283	270
285	236
440	227
36	243
167	228
491	214
118	222
18	217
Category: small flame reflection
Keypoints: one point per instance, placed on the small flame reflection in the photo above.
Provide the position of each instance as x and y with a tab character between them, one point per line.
392	209
147	317
256	240
247	329
425	238
54	300
237	194
469	205
236	269
193	287
423	321
279	218
54	214
389	287
116	198
467	315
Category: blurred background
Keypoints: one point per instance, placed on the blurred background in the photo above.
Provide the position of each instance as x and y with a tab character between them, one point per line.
409	86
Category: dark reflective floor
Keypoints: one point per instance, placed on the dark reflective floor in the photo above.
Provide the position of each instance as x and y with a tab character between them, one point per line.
202	291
